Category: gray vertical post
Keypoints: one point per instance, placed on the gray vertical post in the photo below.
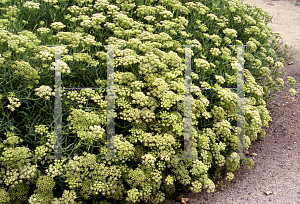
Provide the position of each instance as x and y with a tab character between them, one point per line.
188	128
57	105
188	104
110	128
240	102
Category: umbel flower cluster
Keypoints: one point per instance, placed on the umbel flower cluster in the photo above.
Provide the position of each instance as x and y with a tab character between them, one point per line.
149	92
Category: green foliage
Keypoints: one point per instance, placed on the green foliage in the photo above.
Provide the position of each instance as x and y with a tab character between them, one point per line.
233	162
4	196
45	184
67	197
19	193
149	59
249	162
40	197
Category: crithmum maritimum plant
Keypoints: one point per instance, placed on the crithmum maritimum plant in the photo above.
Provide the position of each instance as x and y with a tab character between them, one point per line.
149	96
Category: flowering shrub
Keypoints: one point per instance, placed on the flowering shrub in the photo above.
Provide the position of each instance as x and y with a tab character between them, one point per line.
149	96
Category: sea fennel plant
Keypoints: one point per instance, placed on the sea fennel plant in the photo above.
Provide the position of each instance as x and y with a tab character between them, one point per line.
149	57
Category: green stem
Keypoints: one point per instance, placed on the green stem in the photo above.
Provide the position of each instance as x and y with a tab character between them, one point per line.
31	99
3	109
13	79
92	148
74	149
89	148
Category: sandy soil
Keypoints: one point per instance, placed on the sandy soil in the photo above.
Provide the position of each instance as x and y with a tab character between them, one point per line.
277	164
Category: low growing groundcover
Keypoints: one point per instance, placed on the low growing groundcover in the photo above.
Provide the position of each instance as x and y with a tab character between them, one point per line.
149	65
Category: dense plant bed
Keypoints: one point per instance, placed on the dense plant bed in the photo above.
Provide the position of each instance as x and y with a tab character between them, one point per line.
149	96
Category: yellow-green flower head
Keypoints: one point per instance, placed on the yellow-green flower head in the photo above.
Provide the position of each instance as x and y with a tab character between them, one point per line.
212	16
50	1
220	79
64	67
202	64
232	6
12	10
292	81
271	52
14	103
57	25
43	30
204	84
231	33
264	71
292	91
234	65
252	30
252	46
215	51
216	39
98	18
44	55
270	60
263	50
25	69
249	19
198	6
237	19
279	65
31	5
67	197
87	23
280	81
81	2
44	91
149	160
12	139
45	183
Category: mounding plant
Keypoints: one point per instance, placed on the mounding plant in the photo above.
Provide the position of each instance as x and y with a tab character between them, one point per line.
149	61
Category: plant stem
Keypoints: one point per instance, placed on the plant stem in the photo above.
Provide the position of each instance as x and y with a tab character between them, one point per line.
13	79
